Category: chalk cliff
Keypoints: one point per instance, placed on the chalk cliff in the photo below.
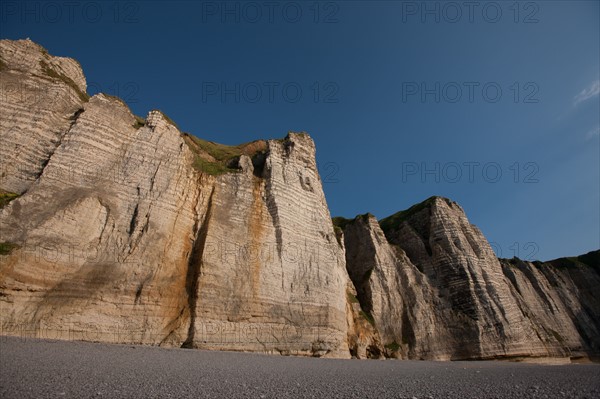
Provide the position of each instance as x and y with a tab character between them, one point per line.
561	299
117	228
127	230
435	290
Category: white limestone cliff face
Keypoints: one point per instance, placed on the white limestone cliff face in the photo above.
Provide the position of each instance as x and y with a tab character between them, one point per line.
104	233
561	298
126	230
270	274
436	291
119	238
40	96
462	268
391	290
363	339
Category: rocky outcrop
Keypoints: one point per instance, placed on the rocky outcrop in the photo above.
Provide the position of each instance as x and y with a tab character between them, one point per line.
126	230
117	228
270	272
41	95
364	341
561	299
392	293
104	232
436	290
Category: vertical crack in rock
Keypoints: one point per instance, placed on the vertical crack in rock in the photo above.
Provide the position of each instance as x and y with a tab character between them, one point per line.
133	222
139	290
74	118
272	204
194	269
274	212
255	231
153	178
176	323
359	270
106	218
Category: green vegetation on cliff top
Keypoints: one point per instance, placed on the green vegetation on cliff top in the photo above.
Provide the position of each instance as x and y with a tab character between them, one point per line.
215	159
393	222
340	222
590	259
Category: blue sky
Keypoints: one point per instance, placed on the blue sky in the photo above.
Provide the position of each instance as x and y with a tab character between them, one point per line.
494	105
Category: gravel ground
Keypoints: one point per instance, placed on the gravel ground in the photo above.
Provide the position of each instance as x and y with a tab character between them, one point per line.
31	368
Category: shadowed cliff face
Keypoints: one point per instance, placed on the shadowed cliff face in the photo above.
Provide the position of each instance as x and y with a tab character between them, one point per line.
436	290
561	298
117	228
459	264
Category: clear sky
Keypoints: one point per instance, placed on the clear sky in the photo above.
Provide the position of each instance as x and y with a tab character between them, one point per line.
492	104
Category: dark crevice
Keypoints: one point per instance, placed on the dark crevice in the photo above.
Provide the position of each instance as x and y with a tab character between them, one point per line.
408	333
145	228
194	269
364	293
273	211
258	162
288	146
133	222
355	265
138	293
153	178
75	116
272	207
373	352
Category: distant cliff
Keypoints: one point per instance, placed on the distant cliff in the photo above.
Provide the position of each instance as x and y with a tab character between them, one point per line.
117	228
435	290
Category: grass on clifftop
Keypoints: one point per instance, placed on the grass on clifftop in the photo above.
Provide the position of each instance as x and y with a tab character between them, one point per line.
139	122
65	79
340	222
392	222
116	98
6	197
591	259
171	121
216	159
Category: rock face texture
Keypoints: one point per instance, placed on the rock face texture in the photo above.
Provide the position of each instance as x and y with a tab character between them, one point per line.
117	237
117	228
39	94
271	276
436	290
561	298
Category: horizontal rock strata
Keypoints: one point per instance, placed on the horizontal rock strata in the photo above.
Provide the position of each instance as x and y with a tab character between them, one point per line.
117	228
